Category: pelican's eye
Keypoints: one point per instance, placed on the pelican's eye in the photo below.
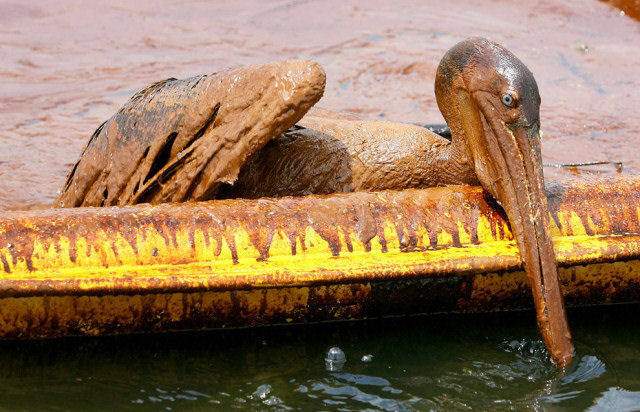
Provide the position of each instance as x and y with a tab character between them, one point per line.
507	99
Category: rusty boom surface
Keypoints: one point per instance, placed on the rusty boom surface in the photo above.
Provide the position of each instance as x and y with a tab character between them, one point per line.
231	263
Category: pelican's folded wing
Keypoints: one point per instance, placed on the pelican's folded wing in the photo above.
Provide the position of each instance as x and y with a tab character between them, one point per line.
178	140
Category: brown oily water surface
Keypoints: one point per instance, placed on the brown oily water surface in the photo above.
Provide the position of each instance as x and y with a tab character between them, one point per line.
68	66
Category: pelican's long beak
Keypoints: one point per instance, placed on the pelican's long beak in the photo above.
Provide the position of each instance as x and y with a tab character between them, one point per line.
508	163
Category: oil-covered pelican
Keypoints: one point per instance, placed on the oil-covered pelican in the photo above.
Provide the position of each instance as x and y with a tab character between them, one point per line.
490	101
488	97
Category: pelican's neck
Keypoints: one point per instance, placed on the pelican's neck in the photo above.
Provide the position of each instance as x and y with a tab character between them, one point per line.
463	118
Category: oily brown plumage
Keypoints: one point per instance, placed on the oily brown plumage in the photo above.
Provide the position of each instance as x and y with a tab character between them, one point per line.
179	140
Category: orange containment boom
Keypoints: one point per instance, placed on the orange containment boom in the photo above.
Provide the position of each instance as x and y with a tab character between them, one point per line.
239	262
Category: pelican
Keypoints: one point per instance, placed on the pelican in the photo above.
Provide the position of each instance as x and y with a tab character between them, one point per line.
214	149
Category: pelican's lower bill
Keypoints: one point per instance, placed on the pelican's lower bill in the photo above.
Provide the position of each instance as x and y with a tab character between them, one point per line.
233	263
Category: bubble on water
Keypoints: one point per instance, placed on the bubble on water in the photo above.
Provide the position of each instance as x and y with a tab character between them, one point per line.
367	358
335	359
335	354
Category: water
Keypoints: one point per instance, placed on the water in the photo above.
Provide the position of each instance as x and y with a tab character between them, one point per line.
443	362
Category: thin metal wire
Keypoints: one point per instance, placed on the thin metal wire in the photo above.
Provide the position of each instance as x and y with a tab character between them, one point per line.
617	165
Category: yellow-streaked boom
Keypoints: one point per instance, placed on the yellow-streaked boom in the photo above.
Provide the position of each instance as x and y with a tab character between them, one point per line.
231	263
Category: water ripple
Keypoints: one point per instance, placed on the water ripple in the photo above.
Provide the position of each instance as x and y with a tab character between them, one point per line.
617	399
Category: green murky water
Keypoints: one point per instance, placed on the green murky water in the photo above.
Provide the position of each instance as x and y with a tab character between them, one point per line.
418	363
